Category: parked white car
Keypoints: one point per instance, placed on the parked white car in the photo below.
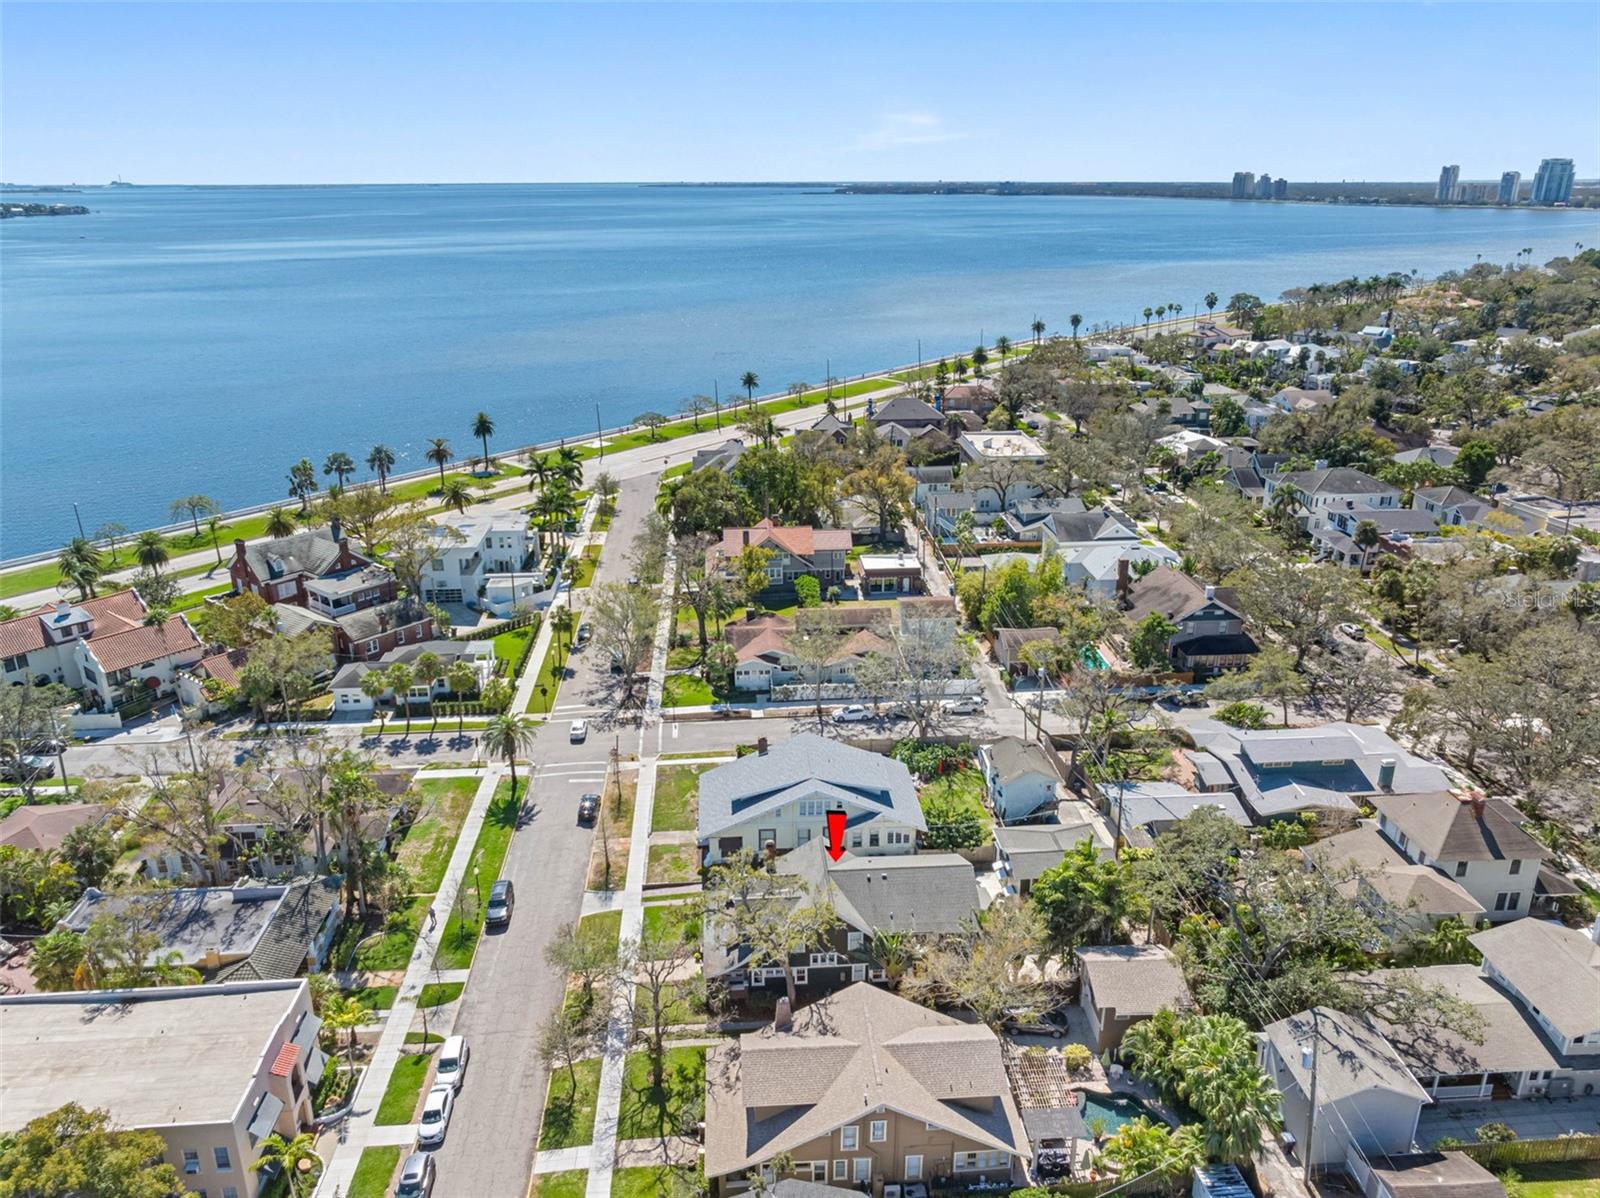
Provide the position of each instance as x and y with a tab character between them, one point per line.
453	1057
965	705
852	714
579	732
436	1109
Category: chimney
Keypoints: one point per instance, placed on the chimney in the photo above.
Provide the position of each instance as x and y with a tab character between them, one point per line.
761	747
1474	800
62	608
238	549
1386	774
1211	593
746	533
782	1016
336	528
1123	583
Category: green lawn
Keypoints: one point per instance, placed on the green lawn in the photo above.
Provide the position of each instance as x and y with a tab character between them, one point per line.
569	1109
686	690
1560	1179
196	599
548	683
649	1112
679	1009
436	994
670	863
508	646
432	838
374	1171
424	1038
586	566
964	786
388	947
605	926
465	923
667	919
374	998
401	1095
570	1184
677	798
652	1181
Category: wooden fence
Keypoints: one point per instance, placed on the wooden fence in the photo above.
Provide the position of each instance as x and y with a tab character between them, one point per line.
1519	1152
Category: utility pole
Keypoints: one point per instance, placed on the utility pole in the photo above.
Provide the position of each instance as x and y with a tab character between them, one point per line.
599	433
1311	1108
79	518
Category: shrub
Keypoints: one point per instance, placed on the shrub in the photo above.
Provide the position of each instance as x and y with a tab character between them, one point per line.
808	590
1495	1133
928	759
1243	715
1444	1142
1076	1057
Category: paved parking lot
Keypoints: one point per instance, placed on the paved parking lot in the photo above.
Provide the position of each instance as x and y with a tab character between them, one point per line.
1532	1119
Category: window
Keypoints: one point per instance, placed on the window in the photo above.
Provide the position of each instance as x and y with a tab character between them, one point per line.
841	1170
849	1137
878	1131
222	1159
855	839
817	1169
1513	901
858	973
863	1170
191	1161
854	939
1516	866
1500	901
765	835
914	1166
872	840
229	1192
372	647
1461	869
13	664
980	1160
801	976
899	837
812	808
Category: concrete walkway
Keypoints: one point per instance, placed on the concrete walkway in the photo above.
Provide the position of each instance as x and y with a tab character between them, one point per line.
361	1131
619	1033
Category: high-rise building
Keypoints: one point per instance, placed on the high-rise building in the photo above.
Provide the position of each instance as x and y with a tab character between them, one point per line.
1449	181
1264	187
1280	189
1244	184
1510	186
1553	183
1476	193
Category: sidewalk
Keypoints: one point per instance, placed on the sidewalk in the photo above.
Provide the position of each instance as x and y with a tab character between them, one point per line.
361	1131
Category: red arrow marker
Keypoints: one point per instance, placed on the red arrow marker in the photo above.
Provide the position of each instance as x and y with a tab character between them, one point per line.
836	834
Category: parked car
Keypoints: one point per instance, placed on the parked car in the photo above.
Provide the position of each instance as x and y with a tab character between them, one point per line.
588	809
579	732
583	636
965	705
852	714
436	1110
453	1057
416	1177
1354	631
27	768
502	898
633	580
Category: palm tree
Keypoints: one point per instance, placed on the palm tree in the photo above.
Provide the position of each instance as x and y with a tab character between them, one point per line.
340	465
1075	320
426	670
302	482
150	551
462	680
569	465
1175	309
194	506
455	494
373	684
1211	302
483	429
749	381
1148	313
540	472
507	735
296	1158
279	523
398	676
562	622
112	532
214	527
439	452
380	460
1038	329
1002	345
79	563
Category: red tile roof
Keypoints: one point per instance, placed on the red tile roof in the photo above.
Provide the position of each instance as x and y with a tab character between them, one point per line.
112	613
800	540
142	644
287	1056
224	667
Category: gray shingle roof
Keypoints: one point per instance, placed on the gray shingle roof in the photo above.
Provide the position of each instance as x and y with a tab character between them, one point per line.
1354	1056
1012	757
905	410
1134	980
287	940
1505	1038
1175	595
1450	829
1555	968
807	766
926	893
309	552
1337	480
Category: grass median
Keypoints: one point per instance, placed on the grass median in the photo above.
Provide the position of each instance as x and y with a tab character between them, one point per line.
465	924
374	1171
650	1111
569	1105
404	1091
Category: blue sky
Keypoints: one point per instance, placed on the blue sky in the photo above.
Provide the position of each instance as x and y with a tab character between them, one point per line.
284	93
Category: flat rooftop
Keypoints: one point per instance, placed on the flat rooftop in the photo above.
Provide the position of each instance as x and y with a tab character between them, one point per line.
152	1058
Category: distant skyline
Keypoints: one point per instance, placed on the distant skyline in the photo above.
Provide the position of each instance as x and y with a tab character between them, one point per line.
383	93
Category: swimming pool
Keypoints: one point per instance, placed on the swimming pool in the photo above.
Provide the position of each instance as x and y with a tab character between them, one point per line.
1113	1109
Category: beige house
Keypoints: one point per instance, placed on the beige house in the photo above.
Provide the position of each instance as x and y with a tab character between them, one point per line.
1124	984
213	1070
862	1088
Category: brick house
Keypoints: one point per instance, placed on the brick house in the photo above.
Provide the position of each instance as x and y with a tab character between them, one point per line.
796	550
366	634
279	570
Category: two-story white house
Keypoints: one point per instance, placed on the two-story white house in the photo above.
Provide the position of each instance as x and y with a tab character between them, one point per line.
781	796
1554	972
487	562
1330	489
1477	842
1022	780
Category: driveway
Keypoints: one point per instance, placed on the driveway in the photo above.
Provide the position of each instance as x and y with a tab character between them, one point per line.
1530	1118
